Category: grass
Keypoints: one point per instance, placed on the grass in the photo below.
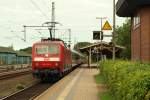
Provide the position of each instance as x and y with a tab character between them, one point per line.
99	79
102	95
106	96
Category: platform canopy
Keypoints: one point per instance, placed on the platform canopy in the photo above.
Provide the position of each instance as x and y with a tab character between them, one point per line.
126	8
104	47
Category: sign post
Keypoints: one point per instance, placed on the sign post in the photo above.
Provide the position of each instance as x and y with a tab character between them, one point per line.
98	35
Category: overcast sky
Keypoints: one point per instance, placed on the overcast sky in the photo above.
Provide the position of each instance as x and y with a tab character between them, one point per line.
79	15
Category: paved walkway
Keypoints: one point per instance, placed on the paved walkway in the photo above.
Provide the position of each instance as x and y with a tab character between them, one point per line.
91	65
78	85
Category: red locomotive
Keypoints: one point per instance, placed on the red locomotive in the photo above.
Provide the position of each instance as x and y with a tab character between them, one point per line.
50	58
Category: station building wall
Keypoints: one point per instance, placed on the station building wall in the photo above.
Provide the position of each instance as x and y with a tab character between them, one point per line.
140	37
23	60
12	58
7	58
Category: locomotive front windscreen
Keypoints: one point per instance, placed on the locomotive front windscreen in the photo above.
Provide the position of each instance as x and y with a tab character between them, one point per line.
51	49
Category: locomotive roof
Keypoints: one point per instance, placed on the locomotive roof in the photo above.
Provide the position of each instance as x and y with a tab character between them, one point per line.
53	42
45	42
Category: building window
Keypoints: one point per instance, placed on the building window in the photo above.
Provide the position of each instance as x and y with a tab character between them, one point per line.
136	21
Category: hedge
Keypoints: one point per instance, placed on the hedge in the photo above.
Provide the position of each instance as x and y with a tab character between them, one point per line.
127	80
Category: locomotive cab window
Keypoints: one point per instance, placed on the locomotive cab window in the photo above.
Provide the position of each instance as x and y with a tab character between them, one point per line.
41	49
51	49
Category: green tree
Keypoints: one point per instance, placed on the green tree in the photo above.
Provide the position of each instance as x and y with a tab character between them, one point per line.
11	47
80	45
27	50
124	38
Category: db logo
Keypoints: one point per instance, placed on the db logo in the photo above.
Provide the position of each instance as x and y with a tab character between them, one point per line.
46	55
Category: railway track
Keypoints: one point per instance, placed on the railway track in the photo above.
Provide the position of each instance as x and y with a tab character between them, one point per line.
9	70
3	70
29	93
11	74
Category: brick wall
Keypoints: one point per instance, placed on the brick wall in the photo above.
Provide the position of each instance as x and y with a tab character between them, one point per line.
145	34
141	37
135	43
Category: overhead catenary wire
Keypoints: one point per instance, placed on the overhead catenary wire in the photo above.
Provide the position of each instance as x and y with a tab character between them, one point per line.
45	4
45	15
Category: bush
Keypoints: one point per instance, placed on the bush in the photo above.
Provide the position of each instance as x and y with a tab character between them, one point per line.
127	80
20	86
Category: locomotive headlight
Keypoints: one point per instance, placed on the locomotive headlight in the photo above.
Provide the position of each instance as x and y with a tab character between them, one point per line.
56	64
54	59
36	64
38	59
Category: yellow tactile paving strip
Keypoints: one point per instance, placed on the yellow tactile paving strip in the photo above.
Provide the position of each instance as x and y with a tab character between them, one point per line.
79	85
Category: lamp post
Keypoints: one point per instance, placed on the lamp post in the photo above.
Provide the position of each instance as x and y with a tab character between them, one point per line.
114	27
101	20
69	38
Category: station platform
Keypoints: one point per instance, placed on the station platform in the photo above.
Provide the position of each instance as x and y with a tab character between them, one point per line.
91	65
78	85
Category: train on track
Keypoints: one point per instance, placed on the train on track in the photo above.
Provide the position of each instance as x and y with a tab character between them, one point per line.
51	58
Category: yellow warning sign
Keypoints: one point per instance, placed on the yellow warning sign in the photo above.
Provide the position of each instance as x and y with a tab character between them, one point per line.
107	26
